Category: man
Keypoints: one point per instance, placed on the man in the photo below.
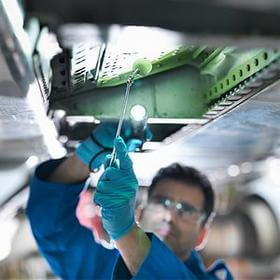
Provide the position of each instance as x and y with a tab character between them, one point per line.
179	205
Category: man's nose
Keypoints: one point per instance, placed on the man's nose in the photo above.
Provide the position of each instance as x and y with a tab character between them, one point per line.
170	214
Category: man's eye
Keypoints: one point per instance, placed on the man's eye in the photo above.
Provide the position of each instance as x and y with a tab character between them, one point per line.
188	208
159	199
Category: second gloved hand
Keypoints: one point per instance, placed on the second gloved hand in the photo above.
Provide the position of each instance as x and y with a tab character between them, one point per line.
116	193
94	149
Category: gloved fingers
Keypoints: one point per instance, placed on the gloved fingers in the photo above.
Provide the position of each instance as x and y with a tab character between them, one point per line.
122	155
108	160
86	150
103	177
133	144
114	198
118	176
105	133
109	174
112	176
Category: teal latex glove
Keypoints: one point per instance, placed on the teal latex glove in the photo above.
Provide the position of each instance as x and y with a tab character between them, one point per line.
94	149
116	193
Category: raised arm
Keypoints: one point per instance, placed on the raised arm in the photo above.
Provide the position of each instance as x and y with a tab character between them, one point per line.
116	192
134	248
70	171
54	195
144	258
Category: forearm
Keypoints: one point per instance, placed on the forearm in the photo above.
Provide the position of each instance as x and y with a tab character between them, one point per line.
134	248
71	171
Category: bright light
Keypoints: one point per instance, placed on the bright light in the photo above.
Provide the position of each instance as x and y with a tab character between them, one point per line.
233	170
59	114
32	161
14	13
246	167
138	112
46	126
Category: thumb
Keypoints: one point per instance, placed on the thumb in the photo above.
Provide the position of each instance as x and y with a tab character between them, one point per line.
122	155
107	162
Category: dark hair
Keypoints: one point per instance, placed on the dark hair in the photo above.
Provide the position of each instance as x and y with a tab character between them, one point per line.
188	175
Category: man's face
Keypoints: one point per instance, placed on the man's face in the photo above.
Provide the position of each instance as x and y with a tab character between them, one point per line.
166	215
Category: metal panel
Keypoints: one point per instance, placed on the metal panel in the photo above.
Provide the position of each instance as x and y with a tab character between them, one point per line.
249	133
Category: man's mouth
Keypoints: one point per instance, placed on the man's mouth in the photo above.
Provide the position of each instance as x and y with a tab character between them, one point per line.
163	232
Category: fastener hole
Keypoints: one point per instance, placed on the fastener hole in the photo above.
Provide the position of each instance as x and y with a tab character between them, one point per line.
240	73
256	62
248	67
265	56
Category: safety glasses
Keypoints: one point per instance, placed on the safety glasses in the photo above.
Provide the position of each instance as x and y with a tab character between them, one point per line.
184	210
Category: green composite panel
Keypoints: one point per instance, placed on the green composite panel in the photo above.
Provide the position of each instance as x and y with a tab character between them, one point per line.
183	83
165	95
229	69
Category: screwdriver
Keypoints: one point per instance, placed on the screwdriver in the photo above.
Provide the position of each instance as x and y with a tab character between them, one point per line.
140	66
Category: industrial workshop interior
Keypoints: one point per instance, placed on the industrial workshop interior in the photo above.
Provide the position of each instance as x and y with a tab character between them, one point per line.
210	99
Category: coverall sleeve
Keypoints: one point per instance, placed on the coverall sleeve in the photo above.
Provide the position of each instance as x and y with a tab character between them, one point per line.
69	248
160	263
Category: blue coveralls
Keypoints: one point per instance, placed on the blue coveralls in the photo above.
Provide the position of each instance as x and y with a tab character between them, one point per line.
70	248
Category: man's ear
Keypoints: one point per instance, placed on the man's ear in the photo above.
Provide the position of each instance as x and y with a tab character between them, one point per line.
138	214
201	239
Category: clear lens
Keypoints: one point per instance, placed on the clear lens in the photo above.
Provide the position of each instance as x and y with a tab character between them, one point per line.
183	209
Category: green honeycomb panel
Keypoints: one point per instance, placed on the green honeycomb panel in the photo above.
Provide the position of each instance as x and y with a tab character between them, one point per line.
183	83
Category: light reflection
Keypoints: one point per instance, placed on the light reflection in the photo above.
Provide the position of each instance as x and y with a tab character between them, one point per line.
246	167
32	161
138	112
16	19
233	170
14	12
47	126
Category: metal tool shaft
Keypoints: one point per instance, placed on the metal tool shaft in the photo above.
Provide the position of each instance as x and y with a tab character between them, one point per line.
123	112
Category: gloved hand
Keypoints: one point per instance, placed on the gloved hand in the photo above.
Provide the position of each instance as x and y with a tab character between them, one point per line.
94	149
116	194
